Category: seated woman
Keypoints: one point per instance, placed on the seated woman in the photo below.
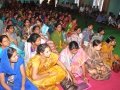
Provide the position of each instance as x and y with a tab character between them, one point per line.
97	69
76	36
71	26
107	51
31	46
44	69
57	37
5	42
26	28
12	75
74	58
36	29
11	34
43	28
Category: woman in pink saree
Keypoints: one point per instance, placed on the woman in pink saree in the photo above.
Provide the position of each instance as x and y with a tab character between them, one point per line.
74	58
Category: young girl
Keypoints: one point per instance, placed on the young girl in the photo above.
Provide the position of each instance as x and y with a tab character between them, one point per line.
12	76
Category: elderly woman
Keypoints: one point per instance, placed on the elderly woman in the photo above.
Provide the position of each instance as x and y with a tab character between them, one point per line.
74	59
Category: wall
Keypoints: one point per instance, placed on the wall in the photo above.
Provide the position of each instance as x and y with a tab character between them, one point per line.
22	1
114	6
90	2
71	1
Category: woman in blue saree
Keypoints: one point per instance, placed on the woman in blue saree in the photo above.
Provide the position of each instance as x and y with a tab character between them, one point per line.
12	76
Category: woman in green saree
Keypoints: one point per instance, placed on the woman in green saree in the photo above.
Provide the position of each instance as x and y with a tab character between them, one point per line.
57	37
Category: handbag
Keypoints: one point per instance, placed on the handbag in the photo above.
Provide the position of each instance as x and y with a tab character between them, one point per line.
68	85
116	66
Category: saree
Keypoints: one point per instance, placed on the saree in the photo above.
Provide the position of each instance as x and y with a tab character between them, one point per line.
75	37
57	38
106	53
13	77
73	62
26	31
49	65
95	66
69	26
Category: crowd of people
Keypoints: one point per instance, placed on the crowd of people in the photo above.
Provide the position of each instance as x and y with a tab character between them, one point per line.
88	11
100	16
41	49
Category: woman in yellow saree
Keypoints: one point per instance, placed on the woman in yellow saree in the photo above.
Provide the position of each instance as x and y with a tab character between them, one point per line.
107	51
44	70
